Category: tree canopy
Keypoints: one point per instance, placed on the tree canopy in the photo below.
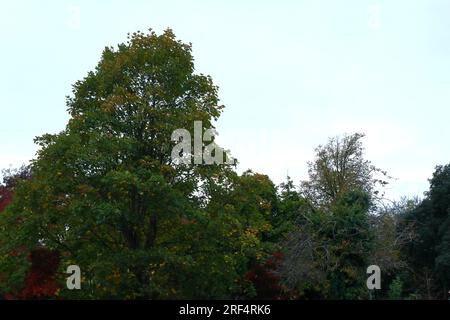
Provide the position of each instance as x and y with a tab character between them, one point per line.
106	194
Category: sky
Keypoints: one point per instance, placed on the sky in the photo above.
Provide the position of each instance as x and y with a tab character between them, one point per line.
291	74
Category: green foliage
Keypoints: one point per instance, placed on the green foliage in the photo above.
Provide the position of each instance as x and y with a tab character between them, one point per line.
328	253
429	254
104	194
250	200
289	210
329	250
396	289
107	196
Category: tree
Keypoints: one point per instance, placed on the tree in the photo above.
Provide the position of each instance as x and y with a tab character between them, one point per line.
5	197
267	281
11	178
106	194
327	255
340	167
334	240
246	204
289	209
40	280
429	253
390	234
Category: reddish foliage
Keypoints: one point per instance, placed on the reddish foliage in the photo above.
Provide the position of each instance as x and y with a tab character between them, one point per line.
41	278
5	197
41	282
266	281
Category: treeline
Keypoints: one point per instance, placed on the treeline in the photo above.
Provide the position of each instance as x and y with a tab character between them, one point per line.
106	195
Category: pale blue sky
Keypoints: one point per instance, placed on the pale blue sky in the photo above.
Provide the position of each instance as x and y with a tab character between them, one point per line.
291	74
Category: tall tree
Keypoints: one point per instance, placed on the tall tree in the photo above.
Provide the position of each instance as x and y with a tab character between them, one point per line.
340	167
429	254
106	194
327	253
